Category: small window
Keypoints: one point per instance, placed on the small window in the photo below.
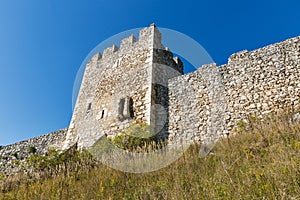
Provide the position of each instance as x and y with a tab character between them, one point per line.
89	107
102	114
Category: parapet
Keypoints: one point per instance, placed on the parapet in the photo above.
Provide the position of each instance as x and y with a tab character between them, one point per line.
149	37
127	42
96	57
110	50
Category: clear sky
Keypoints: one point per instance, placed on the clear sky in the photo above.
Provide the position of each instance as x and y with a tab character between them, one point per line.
42	45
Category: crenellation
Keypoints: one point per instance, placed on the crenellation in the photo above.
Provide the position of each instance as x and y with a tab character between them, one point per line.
110	50
96	57
127	42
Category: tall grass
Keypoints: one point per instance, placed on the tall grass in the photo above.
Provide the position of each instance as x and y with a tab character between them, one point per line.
261	161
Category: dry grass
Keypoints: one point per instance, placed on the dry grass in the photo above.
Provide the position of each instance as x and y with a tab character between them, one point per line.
262	161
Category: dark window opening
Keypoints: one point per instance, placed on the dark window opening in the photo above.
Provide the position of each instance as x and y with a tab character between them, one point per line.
102	114
89	107
131	113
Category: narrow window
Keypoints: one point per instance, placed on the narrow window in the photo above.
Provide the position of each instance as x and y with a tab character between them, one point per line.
102	114
131	108
89	107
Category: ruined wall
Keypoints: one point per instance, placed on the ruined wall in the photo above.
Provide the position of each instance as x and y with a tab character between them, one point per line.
12	156
210	101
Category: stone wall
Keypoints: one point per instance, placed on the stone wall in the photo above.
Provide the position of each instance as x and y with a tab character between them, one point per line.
209	102
12	156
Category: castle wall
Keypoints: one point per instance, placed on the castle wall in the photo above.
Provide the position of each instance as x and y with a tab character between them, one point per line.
211	100
9	155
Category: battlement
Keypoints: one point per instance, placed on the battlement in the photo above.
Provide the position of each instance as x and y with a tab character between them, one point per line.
110	50
127	42
96	57
149	37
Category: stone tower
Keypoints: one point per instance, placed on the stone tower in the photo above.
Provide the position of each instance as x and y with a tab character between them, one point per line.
124	86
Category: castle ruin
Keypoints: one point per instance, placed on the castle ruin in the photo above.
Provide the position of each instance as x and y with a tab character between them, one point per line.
141	82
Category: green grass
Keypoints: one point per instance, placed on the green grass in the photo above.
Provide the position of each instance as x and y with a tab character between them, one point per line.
261	161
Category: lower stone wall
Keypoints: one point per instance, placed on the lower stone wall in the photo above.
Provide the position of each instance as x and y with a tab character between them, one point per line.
12	156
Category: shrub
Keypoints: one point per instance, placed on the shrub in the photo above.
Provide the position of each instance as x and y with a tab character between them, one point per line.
137	137
32	150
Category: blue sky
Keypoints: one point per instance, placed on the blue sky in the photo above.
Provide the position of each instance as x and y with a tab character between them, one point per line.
43	43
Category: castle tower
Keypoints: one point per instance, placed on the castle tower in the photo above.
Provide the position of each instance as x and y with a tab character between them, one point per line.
124	86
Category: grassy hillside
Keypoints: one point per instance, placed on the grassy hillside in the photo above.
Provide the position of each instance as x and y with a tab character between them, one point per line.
261	161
